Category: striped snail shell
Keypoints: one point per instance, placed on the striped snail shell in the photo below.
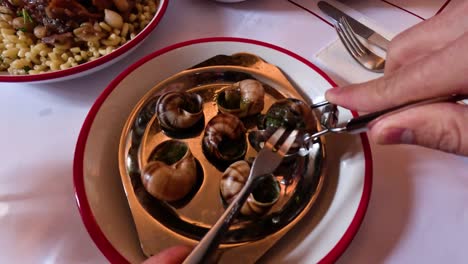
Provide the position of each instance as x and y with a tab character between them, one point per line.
244	98
233	179
171	172
224	137
263	196
179	110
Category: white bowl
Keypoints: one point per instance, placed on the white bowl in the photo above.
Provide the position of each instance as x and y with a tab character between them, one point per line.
95	65
321	236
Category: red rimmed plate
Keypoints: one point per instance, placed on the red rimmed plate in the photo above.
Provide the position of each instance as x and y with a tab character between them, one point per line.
321	236
95	65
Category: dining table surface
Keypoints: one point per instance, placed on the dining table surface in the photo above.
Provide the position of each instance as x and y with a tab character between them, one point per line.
418	210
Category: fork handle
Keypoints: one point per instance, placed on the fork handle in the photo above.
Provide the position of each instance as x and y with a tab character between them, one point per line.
208	245
359	124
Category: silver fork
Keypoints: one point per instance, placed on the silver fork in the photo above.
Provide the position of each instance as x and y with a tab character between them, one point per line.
267	160
358	51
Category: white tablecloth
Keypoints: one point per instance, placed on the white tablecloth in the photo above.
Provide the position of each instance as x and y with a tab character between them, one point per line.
418	211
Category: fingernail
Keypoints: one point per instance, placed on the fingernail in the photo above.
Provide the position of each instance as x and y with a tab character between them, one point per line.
397	136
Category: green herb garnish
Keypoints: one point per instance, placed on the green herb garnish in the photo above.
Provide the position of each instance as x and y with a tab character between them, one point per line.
26	68
26	16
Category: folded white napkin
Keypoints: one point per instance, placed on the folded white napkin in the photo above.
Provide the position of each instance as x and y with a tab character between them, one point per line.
337	62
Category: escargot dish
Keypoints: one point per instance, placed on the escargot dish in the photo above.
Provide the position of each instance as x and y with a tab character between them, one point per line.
180	182
224	138
244	98
263	196
171	171
177	111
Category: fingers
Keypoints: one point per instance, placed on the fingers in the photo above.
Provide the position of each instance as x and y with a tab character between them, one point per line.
442	73
440	126
427	37
173	255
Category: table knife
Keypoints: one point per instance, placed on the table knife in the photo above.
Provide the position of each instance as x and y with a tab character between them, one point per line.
359	28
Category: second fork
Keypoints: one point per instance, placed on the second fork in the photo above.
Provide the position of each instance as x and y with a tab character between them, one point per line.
356	49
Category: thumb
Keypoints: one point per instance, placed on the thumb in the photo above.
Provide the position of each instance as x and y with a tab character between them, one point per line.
173	255
440	126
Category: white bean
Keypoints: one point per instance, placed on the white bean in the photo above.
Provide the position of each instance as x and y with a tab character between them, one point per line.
113	19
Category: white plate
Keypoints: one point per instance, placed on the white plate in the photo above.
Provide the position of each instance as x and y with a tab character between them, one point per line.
321	236
95	65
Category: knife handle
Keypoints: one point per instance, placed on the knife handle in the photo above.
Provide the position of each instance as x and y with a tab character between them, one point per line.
379	41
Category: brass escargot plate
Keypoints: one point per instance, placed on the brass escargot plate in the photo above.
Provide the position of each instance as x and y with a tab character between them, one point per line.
160	223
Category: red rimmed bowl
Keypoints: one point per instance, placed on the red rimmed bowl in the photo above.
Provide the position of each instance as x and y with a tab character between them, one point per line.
94	65
321	236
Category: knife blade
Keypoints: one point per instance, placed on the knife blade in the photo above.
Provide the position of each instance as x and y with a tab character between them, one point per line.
359	28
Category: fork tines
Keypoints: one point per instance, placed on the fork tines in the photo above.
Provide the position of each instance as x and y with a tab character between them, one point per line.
357	49
348	30
274	139
348	38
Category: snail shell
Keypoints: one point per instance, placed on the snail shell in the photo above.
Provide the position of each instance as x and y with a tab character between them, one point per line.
233	179
224	137
179	110
171	173
242	99
263	196
291	113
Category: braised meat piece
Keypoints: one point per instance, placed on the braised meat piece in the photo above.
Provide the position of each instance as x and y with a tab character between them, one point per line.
62	16
103	4
59	16
70	10
124	6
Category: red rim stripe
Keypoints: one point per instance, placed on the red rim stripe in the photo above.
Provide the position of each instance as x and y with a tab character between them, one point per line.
414	14
443	6
403	9
353	228
310	12
385	1
94	63
89	221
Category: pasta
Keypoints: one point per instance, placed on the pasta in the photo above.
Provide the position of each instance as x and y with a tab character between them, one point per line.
22	52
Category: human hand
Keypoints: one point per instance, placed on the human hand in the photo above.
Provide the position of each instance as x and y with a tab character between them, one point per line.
173	255
427	60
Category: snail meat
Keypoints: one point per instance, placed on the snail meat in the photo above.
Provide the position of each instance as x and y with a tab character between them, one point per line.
291	113
244	98
224	138
171	171
263	196
177	111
